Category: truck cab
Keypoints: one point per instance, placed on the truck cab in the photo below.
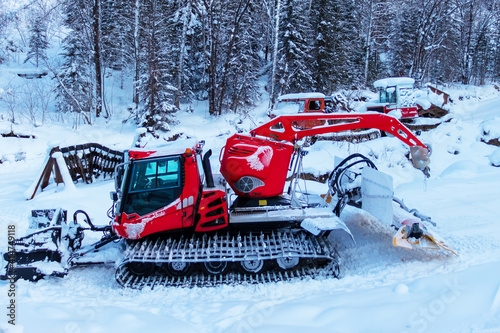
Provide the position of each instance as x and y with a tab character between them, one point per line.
395	94
300	103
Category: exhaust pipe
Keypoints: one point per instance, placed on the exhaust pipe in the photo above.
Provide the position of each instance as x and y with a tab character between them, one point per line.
207	169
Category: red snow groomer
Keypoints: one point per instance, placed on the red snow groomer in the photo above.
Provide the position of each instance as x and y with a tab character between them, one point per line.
175	223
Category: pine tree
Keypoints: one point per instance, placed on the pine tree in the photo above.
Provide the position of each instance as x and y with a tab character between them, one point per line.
180	22
117	21
38	43
82	50
338	48
155	88
196	63
222	25
243	74
483	41
445	62
76	88
376	26
494	70
402	46
324	47
295	51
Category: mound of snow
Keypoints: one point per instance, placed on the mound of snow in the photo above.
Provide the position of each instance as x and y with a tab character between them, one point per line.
461	169
495	157
490	129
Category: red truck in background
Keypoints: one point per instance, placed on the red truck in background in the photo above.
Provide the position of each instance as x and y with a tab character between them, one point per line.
303	103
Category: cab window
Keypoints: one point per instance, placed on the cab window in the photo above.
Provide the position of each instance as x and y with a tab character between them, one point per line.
388	95
314	105
155	175
154	184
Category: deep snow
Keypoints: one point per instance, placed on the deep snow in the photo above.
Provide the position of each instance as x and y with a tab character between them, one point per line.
383	289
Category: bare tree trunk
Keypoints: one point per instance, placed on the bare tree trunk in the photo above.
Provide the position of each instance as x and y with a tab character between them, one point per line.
214	49
275	52
240	12
136	57
97	57
467	55
368	40
187	13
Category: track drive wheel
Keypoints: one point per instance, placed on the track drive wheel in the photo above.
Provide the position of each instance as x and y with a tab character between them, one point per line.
252	266
286	263
141	268
178	268
216	267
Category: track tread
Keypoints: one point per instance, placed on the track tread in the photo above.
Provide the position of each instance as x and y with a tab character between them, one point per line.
230	248
128	280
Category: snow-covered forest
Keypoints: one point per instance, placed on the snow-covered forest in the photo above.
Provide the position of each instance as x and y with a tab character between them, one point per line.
176	51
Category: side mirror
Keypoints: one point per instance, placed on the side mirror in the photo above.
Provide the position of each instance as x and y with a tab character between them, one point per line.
113	195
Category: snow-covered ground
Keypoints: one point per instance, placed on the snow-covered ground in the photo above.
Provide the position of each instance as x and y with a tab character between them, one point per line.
383	288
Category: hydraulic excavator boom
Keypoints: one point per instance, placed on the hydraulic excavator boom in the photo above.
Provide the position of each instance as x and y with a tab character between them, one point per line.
287	127
255	166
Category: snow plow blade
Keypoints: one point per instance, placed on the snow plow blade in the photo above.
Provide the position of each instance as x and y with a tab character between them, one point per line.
40	253
413	234
51	246
29	273
379	201
420	158
22	264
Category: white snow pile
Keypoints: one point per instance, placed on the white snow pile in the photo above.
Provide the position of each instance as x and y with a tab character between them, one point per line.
490	129
382	288
495	157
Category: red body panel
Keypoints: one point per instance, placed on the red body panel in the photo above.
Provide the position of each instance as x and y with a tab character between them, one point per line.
212	210
406	112
265	161
409	112
134	226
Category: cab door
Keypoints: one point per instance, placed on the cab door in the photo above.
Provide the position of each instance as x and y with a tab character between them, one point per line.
153	202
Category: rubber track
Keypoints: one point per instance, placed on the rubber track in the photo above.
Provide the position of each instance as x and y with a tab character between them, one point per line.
421	127
230	248
128	280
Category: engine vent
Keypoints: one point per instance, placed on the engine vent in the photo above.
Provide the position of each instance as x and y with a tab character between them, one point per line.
241	150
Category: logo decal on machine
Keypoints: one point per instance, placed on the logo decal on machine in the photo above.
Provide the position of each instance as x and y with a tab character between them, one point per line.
261	158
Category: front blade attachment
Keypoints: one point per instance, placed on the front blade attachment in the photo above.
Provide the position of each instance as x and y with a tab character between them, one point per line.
420	159
414	234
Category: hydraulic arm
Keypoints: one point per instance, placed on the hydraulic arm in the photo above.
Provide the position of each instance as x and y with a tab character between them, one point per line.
287	128
255	166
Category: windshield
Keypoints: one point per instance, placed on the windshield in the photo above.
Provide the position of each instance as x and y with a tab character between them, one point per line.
154	184
388	95
289	107
155	175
